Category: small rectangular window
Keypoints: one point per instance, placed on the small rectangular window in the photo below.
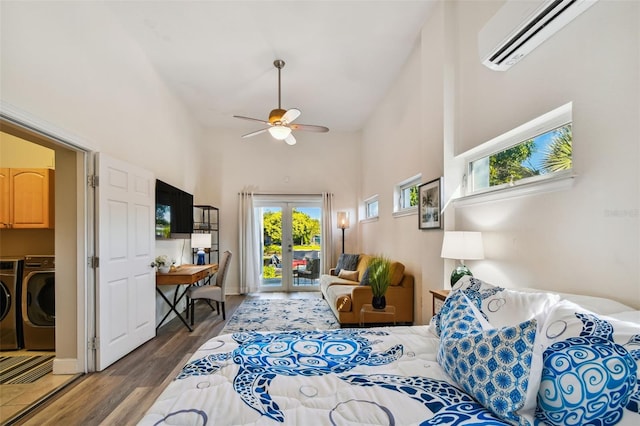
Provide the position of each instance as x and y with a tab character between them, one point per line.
543	148
371	207
406	195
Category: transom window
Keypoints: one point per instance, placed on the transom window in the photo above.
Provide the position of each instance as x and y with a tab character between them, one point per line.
543	149
406	195
371	207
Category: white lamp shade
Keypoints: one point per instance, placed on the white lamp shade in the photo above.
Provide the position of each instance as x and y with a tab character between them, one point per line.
343	220
462	245
200	240
279	132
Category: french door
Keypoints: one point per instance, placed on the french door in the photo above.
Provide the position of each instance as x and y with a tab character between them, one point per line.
291	245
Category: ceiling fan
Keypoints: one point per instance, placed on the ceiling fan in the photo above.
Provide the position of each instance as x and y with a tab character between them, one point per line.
280	120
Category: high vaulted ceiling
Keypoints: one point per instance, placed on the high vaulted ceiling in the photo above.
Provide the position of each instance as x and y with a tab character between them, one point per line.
217	56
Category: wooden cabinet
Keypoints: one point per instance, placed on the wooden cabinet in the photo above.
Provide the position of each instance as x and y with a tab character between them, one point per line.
5	216
27	198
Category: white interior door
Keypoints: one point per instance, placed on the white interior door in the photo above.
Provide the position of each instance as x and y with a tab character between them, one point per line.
125	288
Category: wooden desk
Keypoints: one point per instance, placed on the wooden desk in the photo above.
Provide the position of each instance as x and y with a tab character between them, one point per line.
183	275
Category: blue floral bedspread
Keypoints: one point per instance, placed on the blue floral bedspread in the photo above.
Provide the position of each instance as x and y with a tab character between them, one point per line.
333	377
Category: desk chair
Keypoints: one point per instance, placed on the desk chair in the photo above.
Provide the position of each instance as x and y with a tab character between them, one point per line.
212	291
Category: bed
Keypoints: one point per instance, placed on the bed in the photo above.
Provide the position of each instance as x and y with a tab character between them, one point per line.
491	356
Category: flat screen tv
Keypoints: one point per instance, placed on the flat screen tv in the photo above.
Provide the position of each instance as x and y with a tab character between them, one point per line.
175	208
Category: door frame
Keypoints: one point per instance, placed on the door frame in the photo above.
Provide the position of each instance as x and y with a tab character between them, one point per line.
289	202
70	358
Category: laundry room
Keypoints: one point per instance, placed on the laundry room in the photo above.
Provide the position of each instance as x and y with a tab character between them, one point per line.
27	266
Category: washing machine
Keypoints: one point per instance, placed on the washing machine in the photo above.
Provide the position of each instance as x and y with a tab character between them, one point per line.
39	303
10	306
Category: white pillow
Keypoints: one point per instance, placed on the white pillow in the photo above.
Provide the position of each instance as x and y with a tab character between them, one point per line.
348	275
503	307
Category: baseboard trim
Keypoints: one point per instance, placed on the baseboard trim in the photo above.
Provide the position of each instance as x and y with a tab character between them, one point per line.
67	366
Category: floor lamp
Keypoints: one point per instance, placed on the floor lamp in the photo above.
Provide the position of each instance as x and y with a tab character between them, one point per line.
343	223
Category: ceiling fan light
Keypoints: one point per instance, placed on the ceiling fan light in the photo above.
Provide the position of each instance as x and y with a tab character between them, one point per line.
279	132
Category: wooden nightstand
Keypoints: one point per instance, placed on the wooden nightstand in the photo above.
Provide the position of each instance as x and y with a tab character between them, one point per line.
438	299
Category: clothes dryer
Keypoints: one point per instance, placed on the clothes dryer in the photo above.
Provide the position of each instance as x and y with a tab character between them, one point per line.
10	290
39	303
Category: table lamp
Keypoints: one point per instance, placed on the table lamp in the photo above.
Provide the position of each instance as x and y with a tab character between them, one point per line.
200	242
343	223
462	246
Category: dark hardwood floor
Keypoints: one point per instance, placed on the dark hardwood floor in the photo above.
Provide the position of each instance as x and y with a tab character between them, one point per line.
121	394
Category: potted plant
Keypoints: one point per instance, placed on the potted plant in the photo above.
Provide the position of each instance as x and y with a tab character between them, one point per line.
162	263
379	280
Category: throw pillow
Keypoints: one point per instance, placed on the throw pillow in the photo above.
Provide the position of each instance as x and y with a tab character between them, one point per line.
348	275
397	273
590	369
348	262
365	277
457	318
504	307
496	366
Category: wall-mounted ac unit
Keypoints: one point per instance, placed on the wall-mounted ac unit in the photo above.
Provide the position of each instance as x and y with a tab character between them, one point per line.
522	25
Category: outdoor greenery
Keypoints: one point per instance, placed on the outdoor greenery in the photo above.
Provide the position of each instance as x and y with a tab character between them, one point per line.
379	275
413	196
559	152
269	271
304	228
515	163
511	164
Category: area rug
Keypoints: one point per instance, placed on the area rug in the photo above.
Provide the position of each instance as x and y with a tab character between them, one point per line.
24	369
258	314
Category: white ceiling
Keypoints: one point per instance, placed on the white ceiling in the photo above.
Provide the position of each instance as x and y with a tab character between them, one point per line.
217	56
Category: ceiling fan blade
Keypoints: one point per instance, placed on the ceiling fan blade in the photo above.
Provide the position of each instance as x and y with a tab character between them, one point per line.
257	132
290	115
290	139
252	119
309	128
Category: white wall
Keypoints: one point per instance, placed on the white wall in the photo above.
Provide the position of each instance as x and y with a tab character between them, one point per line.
585	239
399	141
70	65
319	162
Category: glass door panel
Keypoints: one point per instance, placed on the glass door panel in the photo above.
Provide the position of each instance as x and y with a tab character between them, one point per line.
290	246
306	232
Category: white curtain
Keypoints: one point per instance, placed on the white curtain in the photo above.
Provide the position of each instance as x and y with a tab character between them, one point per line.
327	232
249	245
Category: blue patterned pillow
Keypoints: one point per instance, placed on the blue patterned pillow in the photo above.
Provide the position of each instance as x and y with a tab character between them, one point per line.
493	366
590	369
457	318
348	262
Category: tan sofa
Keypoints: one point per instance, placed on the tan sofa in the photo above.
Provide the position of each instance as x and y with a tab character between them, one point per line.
346	297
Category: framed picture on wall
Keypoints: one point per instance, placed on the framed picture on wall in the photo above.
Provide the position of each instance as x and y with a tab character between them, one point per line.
430	205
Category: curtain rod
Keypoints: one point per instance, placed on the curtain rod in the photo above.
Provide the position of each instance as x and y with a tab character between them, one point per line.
282	194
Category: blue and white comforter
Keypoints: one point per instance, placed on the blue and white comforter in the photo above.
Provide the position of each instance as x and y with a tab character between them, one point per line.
492	355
